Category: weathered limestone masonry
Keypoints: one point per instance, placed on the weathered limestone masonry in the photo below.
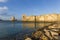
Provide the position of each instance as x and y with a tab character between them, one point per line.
28	18
48	17
55	28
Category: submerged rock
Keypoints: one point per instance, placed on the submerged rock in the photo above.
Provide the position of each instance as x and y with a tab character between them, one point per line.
28	39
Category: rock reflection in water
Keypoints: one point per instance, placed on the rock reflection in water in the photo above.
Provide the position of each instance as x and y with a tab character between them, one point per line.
28	25
35	25
50	29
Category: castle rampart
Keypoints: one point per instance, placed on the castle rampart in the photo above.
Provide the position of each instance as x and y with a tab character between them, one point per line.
48	17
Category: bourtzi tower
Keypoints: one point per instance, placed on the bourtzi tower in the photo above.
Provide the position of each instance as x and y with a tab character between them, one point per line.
12	18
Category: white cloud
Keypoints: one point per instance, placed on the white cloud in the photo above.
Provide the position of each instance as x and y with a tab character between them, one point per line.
3	12
3	9
3	0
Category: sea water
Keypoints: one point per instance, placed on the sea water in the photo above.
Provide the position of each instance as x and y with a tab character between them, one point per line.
17	30
11	29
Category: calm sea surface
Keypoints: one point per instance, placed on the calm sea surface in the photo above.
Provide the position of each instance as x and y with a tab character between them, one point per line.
11	29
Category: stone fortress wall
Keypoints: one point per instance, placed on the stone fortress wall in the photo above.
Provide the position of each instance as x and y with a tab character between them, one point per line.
47	17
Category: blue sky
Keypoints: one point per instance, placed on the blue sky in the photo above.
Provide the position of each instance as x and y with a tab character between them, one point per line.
17	8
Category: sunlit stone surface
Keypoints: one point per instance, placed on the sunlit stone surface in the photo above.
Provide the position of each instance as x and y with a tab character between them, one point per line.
13	18
51	29
47	17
